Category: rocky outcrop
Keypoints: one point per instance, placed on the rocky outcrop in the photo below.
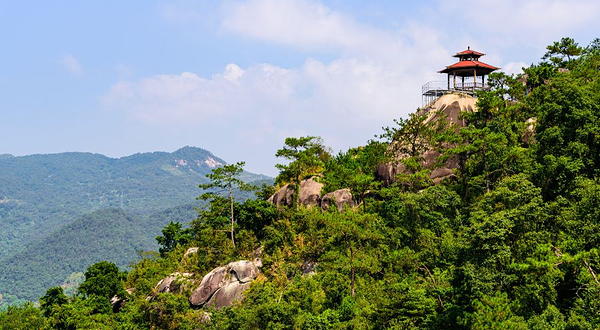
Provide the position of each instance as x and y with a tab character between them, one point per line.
225	285
341	197
310	192
529	133
283	197
176	282
447	108
119	302
258	257
211	282
190	251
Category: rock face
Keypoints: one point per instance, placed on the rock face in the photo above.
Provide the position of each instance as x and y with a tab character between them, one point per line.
310	192
283	197
175	282
529	134
190	251
448	108
225	285
118	302
342	198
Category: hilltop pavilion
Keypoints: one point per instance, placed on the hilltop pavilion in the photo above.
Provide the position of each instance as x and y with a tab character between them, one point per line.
470	73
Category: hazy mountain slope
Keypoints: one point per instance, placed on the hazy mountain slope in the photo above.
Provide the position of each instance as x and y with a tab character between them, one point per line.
41	192
56	209
113	234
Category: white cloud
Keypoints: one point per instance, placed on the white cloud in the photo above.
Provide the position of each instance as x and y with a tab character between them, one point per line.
71	64
298	23
376	77
345	101
376	73
514	67
516	21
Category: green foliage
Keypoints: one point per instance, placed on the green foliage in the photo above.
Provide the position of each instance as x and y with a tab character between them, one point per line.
226	177
567	130
25	317
356	170
172	236
58	211
54	297
562	52
307	156
512	243
102	279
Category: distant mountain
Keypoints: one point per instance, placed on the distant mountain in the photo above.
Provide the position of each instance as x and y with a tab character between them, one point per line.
112	234
42	195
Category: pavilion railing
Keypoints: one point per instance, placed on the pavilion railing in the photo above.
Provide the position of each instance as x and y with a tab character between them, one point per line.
434	89
469	86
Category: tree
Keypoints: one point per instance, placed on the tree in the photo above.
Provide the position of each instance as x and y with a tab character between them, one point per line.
408	142
567	130
102	279
566	47
355	240
54	297
24	317
173	235
307	156
355	169
226	177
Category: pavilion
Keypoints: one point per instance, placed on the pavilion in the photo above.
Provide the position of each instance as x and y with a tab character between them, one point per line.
470	73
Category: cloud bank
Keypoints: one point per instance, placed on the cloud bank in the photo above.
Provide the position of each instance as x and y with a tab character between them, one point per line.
376	73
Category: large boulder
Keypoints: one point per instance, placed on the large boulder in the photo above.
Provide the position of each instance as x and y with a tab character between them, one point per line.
228	294
223	286
341	198
175	282
310	192
447	108
283	197
119	302
529	133
211	282
244	270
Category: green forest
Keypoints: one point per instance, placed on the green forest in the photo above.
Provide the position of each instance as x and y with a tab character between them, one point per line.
60	213
508	241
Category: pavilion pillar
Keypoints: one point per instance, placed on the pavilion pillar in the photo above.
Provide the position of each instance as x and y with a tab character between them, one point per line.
448	81
474	79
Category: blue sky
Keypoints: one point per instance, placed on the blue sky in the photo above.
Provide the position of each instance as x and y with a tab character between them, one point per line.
237	77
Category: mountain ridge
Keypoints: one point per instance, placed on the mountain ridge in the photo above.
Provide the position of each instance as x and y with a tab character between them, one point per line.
42	193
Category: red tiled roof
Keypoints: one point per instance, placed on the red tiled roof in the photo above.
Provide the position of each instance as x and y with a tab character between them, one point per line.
468	52
468	65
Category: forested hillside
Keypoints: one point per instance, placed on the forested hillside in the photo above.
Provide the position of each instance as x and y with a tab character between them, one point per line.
59	212
110	234
508	240
40	193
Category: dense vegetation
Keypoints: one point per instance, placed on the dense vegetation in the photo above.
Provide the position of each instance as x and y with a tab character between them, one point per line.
59	212
112	234
511	242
